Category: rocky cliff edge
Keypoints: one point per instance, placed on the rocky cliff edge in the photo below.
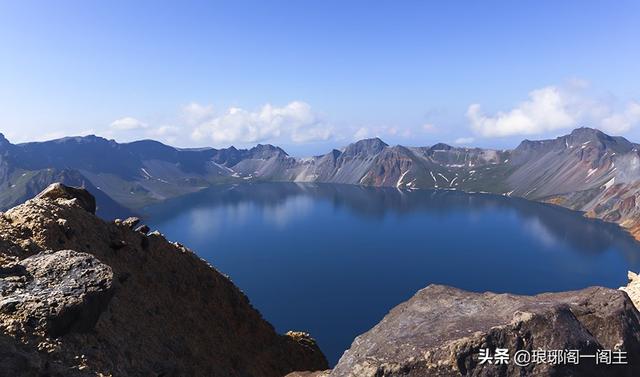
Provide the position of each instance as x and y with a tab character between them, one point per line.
442	331
83	297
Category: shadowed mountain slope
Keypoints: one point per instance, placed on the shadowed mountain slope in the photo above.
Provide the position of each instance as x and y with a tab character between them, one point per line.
586	170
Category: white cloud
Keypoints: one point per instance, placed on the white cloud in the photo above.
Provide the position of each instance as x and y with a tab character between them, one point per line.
381	131
130	129
361	133
167	134
127	123
623	122
464	140
546	110
164	131
294	122
554	108
195	112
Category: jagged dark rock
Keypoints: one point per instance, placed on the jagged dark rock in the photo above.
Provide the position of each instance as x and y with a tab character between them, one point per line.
440	331
83	297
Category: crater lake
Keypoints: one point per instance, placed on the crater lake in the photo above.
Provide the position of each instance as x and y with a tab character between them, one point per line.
332	260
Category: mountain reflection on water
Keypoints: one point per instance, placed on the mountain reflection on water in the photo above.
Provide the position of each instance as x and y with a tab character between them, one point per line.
333	259
283	202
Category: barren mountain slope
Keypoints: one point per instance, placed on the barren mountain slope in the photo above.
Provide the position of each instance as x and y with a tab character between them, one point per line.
586	170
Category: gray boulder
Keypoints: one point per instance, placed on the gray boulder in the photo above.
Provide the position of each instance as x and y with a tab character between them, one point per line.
441	330
56	292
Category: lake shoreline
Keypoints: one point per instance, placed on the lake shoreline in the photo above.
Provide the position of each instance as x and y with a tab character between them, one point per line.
336	228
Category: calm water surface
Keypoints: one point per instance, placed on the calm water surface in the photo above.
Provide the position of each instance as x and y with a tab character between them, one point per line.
333	259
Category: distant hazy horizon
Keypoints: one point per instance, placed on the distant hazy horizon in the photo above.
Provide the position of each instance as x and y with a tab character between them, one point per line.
295	150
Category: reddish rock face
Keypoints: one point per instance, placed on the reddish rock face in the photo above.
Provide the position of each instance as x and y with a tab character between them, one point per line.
628	204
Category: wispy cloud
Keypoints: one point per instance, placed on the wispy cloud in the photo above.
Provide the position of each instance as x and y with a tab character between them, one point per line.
195	113
556	108
624	121
295	122
127	124
362	133
201	124
464	140
382	132
545	110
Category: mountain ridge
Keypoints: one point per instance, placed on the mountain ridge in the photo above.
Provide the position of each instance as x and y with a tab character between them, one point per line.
585	170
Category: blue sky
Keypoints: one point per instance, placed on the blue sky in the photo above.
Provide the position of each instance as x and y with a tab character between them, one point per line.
310	75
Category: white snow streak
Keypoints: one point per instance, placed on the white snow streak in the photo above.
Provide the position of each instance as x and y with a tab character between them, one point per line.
610	183
400	179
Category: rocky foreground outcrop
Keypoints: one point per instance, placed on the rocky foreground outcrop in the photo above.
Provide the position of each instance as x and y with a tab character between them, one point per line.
83	297
442	331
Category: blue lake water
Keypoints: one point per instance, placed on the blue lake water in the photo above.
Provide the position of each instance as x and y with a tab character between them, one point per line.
334	259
